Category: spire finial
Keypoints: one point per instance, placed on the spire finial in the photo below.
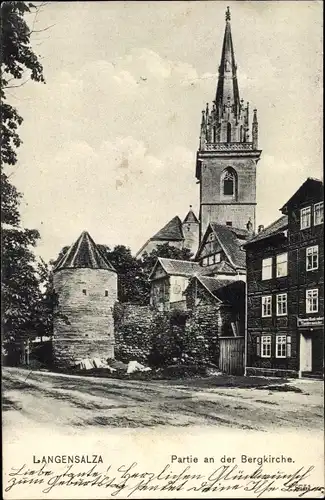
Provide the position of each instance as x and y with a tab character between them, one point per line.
190	207
228	14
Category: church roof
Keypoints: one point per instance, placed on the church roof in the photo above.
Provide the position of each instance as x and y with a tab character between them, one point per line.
276	227
172	231
191	217
84	253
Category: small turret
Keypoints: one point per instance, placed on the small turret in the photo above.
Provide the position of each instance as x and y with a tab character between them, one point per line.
191	228
85	284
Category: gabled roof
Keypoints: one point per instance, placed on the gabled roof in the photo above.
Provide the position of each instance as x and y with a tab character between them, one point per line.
276	227
219	268
222	290
174	267
311	185
228	239
84	253
191	217
172	231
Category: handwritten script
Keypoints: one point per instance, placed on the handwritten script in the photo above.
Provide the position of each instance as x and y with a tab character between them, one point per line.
129	480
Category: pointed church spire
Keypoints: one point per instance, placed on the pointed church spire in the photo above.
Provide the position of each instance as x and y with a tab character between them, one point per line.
227	88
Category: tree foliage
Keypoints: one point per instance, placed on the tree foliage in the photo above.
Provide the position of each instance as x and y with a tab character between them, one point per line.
132	284
167	251
21	294
18	61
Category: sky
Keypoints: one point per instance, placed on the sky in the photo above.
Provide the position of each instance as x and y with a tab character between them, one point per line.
110	141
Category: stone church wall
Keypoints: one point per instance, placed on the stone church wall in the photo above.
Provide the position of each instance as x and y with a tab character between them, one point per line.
83	323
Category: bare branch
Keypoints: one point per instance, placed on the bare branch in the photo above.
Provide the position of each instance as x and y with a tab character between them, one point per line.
45	29
16	86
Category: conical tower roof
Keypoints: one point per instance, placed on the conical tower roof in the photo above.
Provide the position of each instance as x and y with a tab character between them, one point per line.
171	232
191	217
84	253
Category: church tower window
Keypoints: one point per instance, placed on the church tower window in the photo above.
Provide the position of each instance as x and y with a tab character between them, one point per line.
229	183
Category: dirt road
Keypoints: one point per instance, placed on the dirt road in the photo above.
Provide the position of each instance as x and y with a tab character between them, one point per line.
59	400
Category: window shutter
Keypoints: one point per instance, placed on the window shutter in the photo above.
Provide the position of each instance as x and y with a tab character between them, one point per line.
288	347
258	346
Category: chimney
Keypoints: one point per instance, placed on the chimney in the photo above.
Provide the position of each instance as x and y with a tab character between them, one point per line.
260	228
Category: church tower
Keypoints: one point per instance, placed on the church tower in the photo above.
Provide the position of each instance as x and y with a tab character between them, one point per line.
227	157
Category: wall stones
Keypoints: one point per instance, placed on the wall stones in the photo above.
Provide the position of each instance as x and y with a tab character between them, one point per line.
83	323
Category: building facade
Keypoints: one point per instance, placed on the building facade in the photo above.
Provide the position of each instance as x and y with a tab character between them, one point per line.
169	280
285	290
85	284
228	154
220	253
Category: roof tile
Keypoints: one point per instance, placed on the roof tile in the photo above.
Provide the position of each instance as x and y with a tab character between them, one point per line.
84	253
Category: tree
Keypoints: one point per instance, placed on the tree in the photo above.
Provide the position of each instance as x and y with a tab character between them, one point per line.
18	60
132	284
21	294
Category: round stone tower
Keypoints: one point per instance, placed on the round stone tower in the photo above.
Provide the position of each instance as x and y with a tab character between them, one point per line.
85	285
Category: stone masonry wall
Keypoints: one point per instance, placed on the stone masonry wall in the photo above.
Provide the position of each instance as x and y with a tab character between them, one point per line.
134	329
86	298
202	332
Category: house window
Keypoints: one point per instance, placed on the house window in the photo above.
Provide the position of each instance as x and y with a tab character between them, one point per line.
258	346
210	260
266	306
312	258
281	304
281	265
106	293
283	346
229	223
305	217
84	291
318	213
205	261
267	269
312	300
266	346
217	257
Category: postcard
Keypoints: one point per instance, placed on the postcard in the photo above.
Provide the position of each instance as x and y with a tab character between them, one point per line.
162	250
